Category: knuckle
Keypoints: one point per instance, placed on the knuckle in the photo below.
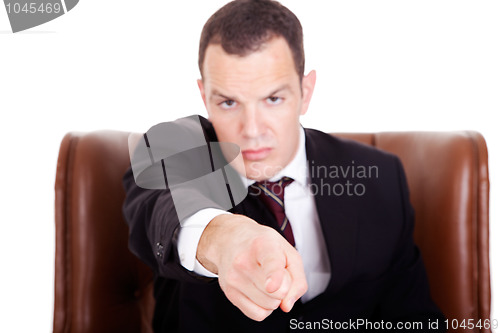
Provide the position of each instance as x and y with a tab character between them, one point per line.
231	294
261	314
302	288
275	304
232	277
297	257
281	293
258	242
241	262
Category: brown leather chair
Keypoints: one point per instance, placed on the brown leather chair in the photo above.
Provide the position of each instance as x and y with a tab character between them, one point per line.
101	287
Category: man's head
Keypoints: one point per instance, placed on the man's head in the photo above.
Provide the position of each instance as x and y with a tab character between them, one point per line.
252	63
242	26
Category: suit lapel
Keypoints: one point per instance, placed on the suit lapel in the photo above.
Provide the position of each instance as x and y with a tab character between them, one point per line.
336	213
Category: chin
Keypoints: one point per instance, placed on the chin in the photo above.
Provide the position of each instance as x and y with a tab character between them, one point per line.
255	175
260	171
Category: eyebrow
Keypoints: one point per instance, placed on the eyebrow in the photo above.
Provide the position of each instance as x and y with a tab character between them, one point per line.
283	87
216	93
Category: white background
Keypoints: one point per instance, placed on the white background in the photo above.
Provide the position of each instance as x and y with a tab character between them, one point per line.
127	65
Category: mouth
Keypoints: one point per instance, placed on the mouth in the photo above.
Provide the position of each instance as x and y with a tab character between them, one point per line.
256	154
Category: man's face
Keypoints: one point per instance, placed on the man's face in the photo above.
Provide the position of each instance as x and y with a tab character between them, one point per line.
255	101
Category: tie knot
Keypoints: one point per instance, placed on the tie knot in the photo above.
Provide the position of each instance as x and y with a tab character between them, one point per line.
274	188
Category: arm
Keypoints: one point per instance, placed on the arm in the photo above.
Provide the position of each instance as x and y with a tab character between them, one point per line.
175	172
258	269
154	219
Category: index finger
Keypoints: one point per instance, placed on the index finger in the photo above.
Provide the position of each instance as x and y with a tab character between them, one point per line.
299	282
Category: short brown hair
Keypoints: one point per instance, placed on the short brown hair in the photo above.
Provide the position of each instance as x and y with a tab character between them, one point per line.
242	26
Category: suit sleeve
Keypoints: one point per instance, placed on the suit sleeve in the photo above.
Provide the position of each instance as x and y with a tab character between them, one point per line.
408	297
177	169
153	229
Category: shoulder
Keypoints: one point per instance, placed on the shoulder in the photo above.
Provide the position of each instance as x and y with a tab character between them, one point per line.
330	148
208	129
337	159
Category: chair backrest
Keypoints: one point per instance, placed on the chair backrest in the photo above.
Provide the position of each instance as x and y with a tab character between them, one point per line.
101	287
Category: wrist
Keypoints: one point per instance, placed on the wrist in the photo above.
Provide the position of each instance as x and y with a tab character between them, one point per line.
208	247
216	240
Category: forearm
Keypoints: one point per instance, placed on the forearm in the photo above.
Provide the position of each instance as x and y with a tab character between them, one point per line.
153	229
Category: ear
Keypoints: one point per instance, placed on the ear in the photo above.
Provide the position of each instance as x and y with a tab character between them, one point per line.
202	91
308	83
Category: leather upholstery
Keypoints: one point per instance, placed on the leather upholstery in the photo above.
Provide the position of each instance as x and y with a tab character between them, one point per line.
101	287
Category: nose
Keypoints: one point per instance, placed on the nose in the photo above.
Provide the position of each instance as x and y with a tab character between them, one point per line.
251	123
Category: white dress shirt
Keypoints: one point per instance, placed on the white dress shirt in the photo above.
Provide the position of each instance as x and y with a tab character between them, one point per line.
300	208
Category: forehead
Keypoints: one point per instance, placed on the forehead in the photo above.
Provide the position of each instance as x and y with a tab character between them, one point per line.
270	65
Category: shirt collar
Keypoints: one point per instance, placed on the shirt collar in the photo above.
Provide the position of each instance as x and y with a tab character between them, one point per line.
296	169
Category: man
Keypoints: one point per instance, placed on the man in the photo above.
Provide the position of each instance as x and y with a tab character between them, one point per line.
342	248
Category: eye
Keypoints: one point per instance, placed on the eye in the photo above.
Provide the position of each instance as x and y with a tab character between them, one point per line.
228	104
274	100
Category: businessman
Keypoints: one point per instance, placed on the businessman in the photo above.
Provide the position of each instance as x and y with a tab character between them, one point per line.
325	236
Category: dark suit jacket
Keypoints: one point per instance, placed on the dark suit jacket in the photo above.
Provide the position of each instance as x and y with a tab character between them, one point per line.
377	273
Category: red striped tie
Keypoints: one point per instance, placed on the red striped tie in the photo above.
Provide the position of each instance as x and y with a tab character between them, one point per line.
273	194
